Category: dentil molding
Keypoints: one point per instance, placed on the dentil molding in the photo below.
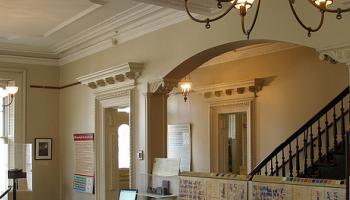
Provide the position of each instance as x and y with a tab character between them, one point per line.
117	78
226	91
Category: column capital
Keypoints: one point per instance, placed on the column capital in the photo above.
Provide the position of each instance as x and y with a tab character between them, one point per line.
162	86
336	55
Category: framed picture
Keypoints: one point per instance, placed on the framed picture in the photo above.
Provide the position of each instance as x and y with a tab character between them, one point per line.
43	149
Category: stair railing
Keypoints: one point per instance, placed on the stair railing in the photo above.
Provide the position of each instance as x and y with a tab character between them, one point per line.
305	145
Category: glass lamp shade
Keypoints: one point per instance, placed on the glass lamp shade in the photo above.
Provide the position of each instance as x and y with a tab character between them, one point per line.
243	3
3	92
323	2
12	89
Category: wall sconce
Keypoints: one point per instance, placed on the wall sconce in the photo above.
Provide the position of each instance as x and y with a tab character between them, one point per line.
186	86
8	88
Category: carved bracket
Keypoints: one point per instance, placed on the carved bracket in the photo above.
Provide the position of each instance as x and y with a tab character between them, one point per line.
163	86
336	55
114	78
238	90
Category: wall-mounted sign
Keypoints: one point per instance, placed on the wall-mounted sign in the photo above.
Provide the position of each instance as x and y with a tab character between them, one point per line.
84	172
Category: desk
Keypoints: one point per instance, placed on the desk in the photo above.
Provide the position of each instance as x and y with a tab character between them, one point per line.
156	196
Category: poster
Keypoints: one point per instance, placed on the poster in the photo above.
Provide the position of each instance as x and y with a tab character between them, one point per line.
179	145
269	191
84	171
83	184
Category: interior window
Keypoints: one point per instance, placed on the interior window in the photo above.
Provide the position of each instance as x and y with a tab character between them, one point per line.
124	146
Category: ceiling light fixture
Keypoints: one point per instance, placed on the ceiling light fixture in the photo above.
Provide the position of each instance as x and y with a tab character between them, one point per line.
186	86
244	5
8	89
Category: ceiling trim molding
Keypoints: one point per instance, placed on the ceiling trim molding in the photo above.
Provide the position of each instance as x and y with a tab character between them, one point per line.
197	8
72	19
130	24
29	60
250	51
140	25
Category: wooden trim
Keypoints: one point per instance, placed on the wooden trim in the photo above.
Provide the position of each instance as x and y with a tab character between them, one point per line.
54	87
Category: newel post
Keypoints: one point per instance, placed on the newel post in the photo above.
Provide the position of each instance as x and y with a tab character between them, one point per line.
156	119
341	55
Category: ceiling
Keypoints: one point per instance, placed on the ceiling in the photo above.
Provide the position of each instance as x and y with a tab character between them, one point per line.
60	31
56	32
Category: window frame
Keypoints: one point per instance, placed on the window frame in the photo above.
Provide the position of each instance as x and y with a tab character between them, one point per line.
20	78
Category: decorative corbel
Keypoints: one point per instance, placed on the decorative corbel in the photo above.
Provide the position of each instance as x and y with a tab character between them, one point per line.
336	55
164	86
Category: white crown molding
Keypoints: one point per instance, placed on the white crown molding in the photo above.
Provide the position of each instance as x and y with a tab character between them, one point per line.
250	51
72	19
336	55
119	77
130	24
145	20
195	7
29	60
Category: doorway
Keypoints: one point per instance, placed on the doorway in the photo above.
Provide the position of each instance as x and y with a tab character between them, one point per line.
233	142
118	152
230	137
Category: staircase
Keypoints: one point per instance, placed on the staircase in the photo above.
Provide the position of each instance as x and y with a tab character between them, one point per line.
317	149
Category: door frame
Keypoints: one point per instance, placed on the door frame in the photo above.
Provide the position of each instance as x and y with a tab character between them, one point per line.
105	185
226	107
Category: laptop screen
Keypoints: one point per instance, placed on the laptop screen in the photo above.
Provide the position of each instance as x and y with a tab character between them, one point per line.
127	194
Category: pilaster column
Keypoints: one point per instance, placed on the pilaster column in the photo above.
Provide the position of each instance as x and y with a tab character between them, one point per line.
341	55
156	119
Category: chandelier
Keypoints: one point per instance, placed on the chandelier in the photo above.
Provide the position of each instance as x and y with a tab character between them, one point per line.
8	89
244	5
186	86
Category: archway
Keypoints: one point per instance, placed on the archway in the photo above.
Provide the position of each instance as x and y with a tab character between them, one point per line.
197	60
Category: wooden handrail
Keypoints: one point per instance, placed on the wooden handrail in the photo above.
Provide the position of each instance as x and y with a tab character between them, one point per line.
300	131
5	193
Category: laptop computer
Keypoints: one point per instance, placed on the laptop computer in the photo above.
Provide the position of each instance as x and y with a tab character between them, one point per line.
128	194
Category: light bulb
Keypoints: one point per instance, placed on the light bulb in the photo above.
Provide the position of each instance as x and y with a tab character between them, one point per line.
243	3
323	2
12	89
186	87
3	92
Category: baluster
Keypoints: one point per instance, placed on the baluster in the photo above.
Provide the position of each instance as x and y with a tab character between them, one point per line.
283	164
327	137
342	121
297	162
335	128
312	153
290	161
305	151
266	170
319	139
277	170
271	172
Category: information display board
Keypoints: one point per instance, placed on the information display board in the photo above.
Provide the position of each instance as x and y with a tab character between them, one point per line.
84	171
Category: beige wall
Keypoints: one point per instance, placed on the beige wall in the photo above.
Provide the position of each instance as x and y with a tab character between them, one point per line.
42	122
300	85
162	51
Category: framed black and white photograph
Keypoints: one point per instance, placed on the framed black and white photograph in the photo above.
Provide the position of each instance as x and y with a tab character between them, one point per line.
43	148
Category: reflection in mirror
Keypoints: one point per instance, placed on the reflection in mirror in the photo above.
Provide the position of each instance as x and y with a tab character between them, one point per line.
234	141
